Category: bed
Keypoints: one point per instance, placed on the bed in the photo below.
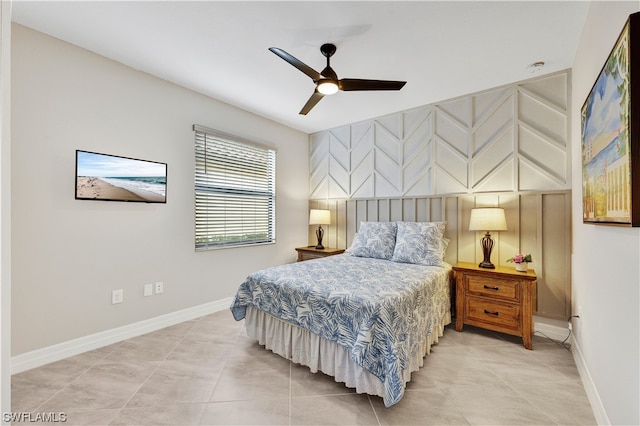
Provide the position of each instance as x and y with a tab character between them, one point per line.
367	317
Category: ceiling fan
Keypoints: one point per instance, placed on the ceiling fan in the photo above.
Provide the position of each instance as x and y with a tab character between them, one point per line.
327	82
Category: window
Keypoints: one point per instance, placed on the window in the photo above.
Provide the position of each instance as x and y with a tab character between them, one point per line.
235	183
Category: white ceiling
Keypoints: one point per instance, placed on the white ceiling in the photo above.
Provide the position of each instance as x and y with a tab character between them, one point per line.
443	49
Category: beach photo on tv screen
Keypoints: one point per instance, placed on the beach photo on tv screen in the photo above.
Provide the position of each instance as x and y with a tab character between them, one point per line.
108	177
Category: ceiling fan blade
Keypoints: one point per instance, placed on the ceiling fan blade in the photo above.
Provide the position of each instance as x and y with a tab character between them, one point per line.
313	100
351	84
315	75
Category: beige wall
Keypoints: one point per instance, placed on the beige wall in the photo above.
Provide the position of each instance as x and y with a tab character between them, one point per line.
606	271
5	207
68	254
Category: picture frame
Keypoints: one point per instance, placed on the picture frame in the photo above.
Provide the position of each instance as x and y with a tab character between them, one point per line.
610	136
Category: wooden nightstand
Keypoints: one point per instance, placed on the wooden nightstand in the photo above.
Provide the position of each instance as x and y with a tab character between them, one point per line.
500	299
308	253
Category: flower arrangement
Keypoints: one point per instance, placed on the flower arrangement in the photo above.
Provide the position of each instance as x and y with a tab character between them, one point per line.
520	258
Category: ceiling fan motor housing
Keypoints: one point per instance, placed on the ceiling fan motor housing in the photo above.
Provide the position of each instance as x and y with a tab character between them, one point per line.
328	49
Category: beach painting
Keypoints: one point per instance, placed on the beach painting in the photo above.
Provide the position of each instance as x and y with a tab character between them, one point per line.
606	141
113	178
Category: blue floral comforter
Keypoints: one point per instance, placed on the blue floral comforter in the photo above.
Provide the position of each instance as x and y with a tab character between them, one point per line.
380	310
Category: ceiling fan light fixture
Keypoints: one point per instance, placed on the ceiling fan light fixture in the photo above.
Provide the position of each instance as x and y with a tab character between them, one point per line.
327	87
327	81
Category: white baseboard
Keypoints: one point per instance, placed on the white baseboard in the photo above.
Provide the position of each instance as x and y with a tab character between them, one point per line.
590	387
560	333
551	331
42	356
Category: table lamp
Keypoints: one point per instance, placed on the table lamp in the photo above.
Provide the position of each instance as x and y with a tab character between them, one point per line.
319	217
487	219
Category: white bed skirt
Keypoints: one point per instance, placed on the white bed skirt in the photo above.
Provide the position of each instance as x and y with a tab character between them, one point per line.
319	354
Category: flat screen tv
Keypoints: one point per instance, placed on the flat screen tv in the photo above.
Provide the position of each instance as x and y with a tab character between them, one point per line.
107	177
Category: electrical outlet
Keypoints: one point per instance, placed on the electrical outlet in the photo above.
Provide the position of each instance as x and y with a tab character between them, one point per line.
159	287
117	296
148	290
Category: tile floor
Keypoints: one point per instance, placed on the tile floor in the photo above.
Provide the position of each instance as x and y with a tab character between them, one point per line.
206	371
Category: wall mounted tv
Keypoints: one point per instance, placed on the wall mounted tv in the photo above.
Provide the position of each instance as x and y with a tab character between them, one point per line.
112	178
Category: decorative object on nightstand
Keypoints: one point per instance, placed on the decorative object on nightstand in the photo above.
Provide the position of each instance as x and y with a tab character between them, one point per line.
319	217
521	261
308	253
487	219
499	299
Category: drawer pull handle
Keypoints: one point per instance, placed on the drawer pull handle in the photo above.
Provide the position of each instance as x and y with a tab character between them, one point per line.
492	288
491	313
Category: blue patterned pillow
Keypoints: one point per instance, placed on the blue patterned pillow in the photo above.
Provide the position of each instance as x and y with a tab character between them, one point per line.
374	239
420	243
445	244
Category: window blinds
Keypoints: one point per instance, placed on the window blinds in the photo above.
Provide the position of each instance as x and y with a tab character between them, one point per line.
234	191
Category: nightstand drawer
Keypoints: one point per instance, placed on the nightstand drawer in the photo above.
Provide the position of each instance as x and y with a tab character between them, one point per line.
503	315
493	287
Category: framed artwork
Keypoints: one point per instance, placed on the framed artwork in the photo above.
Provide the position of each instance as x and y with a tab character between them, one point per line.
610	136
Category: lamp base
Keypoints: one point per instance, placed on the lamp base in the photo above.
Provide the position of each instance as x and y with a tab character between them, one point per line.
319	235
487	246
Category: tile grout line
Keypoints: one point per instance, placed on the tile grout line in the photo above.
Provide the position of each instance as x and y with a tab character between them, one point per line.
153	372
375	414
521	396
215	385
82	373
453	404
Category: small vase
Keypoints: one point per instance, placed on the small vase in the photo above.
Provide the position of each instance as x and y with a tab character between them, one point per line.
522	267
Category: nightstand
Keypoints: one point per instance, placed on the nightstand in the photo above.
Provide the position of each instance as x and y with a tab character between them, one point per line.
500	299
311	252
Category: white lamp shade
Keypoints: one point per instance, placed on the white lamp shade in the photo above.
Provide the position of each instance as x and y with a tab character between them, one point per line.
319	217
487	219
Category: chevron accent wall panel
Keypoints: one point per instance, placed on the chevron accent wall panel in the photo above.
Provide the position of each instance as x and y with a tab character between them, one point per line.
512	138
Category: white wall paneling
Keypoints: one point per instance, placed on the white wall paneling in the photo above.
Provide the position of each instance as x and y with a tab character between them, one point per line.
538	223
512	138
507	146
